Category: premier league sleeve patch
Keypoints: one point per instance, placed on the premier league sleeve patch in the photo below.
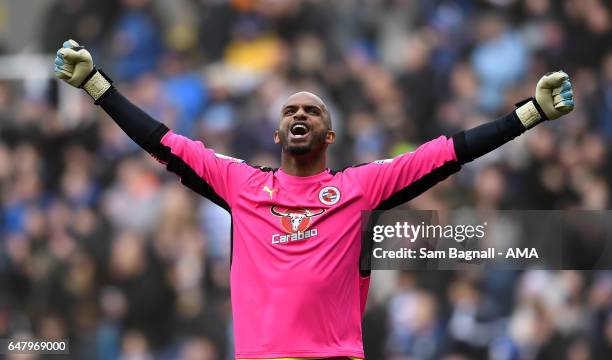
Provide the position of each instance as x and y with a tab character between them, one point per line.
225	157
329	195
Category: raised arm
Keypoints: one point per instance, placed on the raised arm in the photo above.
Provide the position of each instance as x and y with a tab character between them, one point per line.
201	169
553	98
74	65
388	183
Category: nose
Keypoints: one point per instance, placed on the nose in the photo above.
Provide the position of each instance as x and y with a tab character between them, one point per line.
300	114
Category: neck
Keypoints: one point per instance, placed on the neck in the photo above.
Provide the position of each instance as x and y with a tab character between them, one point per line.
303	165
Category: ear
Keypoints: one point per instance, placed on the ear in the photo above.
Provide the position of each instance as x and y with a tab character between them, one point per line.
330	137
277	139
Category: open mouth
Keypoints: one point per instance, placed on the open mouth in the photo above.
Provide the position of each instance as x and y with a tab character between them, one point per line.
299	130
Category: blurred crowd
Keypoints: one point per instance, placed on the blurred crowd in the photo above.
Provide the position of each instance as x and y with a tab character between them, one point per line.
99	244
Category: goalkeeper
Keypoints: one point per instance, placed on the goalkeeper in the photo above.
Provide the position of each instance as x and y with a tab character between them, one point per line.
296	285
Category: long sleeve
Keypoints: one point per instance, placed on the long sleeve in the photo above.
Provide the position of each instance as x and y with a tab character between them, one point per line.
391	182
388	183
473	143
214	176
137	124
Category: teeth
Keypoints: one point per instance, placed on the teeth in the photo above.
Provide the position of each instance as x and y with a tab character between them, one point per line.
300	129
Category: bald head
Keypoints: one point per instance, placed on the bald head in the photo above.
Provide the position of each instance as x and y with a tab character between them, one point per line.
306	95
308	98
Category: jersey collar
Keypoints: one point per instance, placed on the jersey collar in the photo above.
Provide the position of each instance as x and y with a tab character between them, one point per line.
302	179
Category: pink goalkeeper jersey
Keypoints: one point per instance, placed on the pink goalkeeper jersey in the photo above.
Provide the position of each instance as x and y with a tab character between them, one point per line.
296	285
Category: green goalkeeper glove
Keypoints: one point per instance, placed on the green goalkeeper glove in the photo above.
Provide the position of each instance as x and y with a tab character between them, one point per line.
74	65
553	98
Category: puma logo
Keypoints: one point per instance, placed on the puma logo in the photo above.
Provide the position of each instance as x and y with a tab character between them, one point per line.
269	191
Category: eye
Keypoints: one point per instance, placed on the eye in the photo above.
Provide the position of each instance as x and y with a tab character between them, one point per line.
313	110
288	111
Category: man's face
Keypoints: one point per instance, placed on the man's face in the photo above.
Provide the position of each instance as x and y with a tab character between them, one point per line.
305	126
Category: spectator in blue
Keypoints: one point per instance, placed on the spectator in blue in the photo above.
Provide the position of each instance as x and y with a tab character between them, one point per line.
137	45
185	89
500	58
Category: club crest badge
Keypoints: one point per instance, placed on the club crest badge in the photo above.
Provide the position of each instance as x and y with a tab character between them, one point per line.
329	195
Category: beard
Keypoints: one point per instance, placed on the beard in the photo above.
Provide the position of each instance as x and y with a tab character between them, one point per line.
315	145
298	150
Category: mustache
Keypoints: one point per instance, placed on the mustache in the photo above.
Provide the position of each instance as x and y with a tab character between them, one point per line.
317	141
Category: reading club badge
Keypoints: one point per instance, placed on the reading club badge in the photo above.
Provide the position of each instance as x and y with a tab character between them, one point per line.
329	195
